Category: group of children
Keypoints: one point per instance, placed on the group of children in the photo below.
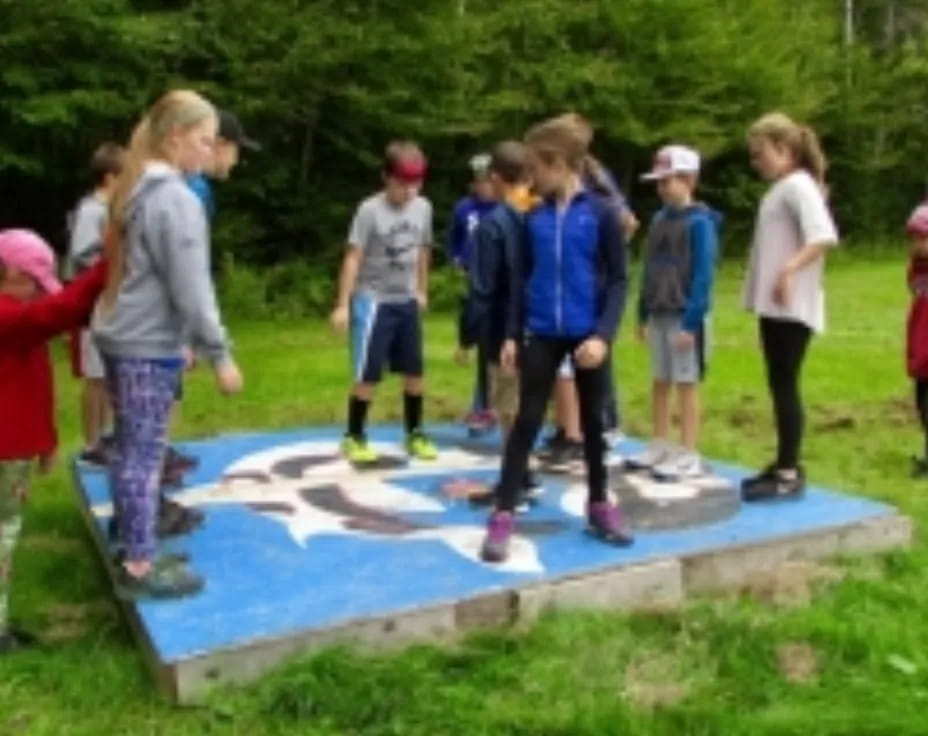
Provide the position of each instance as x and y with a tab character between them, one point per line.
546	273
545	260
141	304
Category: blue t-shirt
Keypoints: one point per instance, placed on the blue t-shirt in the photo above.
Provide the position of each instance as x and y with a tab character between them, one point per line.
200	186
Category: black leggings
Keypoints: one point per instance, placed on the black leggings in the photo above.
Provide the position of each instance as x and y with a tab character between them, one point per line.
921	403
539	359
784	343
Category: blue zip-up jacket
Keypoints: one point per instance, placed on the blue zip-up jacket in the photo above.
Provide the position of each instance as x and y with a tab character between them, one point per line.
570	272
693	273
496	241
200	186
468	213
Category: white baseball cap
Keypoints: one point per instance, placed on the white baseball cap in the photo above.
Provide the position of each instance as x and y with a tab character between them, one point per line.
672	160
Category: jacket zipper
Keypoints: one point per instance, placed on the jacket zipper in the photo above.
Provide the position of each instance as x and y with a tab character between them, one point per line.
559	247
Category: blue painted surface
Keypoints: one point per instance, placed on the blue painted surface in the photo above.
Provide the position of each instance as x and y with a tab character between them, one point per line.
262	583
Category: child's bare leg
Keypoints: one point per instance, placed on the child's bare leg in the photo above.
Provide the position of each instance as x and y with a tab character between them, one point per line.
688	394
660	409
568	408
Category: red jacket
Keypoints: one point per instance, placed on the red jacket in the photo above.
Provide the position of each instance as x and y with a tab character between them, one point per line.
27	402
917	332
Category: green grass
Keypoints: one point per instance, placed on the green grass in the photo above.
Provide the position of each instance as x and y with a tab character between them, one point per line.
858	643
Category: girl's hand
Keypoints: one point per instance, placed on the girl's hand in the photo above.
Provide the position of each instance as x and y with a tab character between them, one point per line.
339	319
783	288
229	378
508	358
591	352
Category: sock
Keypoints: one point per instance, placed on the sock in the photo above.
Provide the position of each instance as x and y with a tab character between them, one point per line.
357	416
412	411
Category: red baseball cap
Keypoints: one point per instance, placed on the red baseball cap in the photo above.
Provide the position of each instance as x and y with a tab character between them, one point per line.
409	170
25	251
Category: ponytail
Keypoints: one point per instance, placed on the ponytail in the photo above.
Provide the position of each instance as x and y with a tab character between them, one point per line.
598	179
139	151
176	110
801	141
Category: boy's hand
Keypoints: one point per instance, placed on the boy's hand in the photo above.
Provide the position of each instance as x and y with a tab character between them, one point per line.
591	352
339	319
229	378
508	358
423	300
642	332
462	356
685	340
46	465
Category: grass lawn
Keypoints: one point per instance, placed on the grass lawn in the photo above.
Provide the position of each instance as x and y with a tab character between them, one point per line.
823	649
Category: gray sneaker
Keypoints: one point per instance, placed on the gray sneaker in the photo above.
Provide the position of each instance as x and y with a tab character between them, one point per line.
164	580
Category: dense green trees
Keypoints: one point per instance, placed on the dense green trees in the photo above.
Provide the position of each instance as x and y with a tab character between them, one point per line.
325	84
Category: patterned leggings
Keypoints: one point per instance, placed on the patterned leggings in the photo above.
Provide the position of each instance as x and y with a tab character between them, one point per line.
14	481
142	393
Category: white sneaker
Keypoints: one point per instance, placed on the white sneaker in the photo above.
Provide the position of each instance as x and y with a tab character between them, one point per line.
657	452
680	466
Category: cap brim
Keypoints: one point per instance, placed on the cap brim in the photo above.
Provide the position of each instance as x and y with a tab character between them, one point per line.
49	284
655	175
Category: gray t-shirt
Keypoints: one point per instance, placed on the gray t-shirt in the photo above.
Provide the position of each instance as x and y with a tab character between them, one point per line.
391	240
87	224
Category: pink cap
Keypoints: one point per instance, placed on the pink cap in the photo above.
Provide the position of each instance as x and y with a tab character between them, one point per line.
917	224
27	252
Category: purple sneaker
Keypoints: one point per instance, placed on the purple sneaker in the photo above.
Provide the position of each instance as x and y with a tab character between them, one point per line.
499	530
608	523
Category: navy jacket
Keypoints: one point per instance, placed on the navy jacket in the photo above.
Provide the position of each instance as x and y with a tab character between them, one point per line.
570	272
497	240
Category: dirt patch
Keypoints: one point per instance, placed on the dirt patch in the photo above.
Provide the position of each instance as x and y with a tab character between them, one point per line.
65	631
53	543
80	611
798	663
792	584
654	681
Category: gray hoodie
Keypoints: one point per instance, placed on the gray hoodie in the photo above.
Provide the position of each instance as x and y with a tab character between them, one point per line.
166	299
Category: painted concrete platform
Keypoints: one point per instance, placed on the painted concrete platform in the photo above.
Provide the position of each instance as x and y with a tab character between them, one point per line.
301	550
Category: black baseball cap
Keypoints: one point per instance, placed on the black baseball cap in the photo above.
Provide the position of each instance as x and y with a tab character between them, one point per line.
230	128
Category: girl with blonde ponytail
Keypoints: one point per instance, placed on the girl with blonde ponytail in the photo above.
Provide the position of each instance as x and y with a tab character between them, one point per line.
159	298
792	233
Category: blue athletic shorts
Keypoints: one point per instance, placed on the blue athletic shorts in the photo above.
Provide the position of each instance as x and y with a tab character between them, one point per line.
381	332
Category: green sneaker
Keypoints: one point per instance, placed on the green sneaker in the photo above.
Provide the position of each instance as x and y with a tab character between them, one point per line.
358	451
420	446
165	579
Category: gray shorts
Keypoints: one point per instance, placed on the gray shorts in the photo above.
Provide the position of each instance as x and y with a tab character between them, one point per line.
91	362
670	363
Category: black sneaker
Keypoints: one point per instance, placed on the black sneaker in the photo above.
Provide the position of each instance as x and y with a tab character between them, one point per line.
162	581
16	640
775	486
767	474
567	457
175	519
919	467
96	457
177	463
551	444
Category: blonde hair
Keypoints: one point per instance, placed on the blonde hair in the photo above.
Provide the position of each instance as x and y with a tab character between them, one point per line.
799	139
596	175
176	110
560	137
